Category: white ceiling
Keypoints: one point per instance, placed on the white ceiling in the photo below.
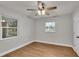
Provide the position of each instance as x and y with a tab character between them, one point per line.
63	7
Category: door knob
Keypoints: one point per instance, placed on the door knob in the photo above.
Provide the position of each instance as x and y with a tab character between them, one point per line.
77	36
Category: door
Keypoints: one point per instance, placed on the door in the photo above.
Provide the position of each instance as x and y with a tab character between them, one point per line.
76	36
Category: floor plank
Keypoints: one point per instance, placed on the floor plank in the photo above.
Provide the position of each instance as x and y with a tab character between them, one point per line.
37	49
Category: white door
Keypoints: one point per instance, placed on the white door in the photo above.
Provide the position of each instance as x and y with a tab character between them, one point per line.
76	36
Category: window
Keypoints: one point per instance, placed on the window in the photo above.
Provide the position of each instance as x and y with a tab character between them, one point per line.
9	27
50	27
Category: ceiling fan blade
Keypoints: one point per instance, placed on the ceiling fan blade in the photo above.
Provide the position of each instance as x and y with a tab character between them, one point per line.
51	8
31	9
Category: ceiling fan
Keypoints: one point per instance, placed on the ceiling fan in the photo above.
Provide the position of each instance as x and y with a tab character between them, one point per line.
42	9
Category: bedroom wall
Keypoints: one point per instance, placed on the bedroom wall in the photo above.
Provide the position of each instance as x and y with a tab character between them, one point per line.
25	31
63	34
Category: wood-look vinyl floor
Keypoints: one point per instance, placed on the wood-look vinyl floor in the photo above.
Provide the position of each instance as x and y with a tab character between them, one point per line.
37	49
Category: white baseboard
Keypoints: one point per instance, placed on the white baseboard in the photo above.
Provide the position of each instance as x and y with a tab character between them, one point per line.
6	52
77	52
54	43
67	45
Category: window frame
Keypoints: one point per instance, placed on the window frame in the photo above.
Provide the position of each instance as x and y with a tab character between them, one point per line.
7	27
48	29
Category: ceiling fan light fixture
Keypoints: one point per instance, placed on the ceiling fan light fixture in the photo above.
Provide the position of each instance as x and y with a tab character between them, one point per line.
43	12
39	12
42	9
40	6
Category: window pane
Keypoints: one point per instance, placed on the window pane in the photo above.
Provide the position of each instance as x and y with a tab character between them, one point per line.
9	22
50	26
4	32
12	32
4	24
9	32
12	23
